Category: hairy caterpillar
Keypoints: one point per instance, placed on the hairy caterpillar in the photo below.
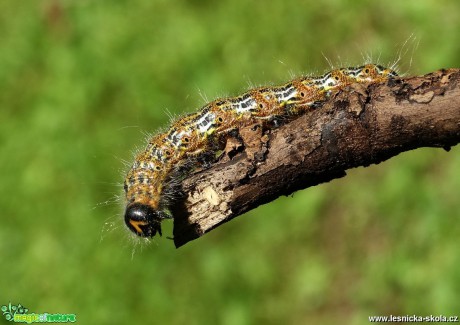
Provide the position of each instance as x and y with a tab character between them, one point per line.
194	136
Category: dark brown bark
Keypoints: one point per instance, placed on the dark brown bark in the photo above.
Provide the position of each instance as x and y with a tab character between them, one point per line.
359	126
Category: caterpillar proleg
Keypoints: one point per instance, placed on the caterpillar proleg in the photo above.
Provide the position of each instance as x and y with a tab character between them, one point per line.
195	136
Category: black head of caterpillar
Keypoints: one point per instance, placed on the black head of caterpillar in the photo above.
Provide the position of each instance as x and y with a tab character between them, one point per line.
143	220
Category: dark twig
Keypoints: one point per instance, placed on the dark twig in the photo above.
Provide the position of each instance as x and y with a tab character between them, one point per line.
359	126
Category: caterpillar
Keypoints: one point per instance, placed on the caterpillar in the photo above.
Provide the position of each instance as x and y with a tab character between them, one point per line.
195	136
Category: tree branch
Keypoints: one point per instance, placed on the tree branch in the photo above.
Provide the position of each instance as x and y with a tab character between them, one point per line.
359	126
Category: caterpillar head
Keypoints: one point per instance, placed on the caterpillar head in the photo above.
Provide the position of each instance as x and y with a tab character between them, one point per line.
143	220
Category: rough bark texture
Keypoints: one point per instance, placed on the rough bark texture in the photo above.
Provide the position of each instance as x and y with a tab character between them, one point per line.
359	126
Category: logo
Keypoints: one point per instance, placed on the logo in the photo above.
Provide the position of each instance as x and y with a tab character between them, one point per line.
20	314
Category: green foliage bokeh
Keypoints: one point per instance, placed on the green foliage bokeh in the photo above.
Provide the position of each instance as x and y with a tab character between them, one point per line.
82	82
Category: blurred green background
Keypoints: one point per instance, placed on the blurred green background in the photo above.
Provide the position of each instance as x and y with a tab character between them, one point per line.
82	81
